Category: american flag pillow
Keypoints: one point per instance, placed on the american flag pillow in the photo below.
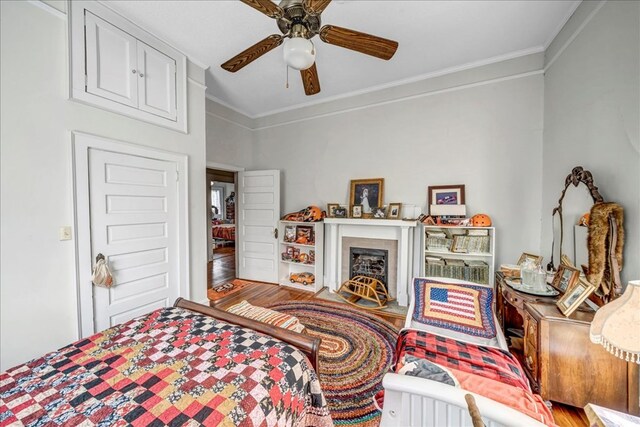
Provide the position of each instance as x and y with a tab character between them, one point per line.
465	308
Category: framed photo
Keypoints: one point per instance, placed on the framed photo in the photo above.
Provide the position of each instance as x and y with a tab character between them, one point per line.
446	195
368	193
290	233
535	258
393	212
340	212
379	213
331	209
356	211
565	278
575	296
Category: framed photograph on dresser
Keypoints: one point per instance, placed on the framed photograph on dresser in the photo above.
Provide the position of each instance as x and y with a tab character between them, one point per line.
575	296
565	277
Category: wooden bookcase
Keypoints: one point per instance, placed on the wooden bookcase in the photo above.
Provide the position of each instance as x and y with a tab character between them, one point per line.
288	267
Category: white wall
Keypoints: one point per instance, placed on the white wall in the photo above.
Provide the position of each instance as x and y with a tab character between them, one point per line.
229	136
38	310
486	136
592	115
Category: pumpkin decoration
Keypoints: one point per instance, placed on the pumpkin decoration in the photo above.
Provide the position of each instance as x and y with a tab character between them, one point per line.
584	220
481	220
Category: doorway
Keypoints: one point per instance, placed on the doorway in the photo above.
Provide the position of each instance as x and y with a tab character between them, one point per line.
221	268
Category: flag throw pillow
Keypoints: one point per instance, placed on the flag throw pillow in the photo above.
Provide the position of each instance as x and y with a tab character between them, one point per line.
465	308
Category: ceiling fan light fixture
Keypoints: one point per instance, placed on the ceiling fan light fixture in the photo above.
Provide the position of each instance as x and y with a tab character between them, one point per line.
299	53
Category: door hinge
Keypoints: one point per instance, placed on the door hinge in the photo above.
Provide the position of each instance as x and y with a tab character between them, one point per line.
275	232
177	176
86	81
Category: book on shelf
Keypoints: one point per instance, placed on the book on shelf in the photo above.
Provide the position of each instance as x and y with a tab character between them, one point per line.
477	232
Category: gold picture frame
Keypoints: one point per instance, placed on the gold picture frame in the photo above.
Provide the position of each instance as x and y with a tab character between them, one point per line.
393	211
575	296
367	192
565	278
525	256
356	211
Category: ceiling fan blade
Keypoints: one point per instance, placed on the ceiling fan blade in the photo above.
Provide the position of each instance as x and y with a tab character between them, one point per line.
310	80
267	7
315	7
254	52
360	42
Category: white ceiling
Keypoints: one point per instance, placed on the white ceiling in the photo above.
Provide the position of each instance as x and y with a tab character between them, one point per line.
433	36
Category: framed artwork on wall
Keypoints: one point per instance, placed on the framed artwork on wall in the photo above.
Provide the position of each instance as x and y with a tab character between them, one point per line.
368	193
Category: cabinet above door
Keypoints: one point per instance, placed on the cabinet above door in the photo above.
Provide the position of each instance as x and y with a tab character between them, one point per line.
120	67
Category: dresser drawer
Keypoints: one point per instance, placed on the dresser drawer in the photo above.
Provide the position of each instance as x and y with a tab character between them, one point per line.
513	300
530	330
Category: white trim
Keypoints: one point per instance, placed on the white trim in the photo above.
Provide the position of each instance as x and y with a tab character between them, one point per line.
80	144
562	23
406	98
196	83
426	76
48	8
224	167
229	106
229	120
574	35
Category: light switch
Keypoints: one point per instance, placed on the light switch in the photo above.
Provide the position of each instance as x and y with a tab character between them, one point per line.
65	233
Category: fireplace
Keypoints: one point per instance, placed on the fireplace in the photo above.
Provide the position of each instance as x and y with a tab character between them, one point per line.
369	262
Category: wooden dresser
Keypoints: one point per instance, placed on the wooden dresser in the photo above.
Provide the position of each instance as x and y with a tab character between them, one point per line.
562	364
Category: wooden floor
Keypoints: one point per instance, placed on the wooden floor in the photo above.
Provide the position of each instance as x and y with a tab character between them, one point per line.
263	294
223	267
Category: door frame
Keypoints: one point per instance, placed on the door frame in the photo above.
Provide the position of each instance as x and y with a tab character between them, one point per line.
226	168
81	143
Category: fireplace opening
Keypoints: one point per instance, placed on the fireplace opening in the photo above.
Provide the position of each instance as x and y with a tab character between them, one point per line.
369	262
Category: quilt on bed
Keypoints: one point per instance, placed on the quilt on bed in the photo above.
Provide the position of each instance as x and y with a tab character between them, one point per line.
225	233
487	371
170	367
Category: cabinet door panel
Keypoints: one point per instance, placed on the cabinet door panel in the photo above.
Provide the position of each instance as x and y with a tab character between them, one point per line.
111	61
157	82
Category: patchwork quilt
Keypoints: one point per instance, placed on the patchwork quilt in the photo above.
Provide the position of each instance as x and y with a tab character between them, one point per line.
171	367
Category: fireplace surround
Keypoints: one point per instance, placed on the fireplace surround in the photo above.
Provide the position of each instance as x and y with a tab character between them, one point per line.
394	236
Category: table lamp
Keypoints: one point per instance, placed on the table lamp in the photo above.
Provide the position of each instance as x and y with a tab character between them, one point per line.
617	325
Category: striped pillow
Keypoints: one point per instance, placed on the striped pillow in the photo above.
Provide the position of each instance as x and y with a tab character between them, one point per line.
268	316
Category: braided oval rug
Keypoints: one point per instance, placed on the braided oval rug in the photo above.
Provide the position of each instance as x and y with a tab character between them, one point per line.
356	351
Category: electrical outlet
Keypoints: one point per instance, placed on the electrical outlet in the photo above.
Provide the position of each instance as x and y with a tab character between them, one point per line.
64	233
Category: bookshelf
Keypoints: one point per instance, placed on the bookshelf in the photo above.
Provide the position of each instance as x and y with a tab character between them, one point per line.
466	253
296	258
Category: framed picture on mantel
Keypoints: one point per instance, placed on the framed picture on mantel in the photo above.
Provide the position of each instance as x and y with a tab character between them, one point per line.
368	193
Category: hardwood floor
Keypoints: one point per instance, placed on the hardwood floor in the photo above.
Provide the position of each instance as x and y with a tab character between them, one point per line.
223	267
263	294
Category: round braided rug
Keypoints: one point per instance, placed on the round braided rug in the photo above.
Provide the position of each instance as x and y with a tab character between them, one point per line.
356	351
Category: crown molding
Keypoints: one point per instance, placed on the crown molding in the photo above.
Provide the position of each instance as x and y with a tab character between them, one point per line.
48	8
426	76
405	98
564	21
225	119
575	34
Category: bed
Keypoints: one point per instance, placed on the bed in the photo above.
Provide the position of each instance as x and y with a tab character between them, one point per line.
452	363
223	233
183	365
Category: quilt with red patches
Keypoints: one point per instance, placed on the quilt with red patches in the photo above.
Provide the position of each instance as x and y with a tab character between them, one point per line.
171	367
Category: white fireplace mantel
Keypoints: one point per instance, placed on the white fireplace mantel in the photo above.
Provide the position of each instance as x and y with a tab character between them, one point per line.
389	229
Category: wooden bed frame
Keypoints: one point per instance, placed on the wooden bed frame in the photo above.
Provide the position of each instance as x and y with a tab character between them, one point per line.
310	346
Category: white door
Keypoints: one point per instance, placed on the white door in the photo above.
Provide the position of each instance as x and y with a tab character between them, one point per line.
157	82
258	215
134	224
111	61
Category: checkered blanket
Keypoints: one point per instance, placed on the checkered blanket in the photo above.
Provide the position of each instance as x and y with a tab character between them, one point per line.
170	367
488	362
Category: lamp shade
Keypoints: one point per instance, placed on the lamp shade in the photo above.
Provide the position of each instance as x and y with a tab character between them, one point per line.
299	53
617	325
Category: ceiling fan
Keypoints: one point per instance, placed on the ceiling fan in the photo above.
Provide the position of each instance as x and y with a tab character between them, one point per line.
299	21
